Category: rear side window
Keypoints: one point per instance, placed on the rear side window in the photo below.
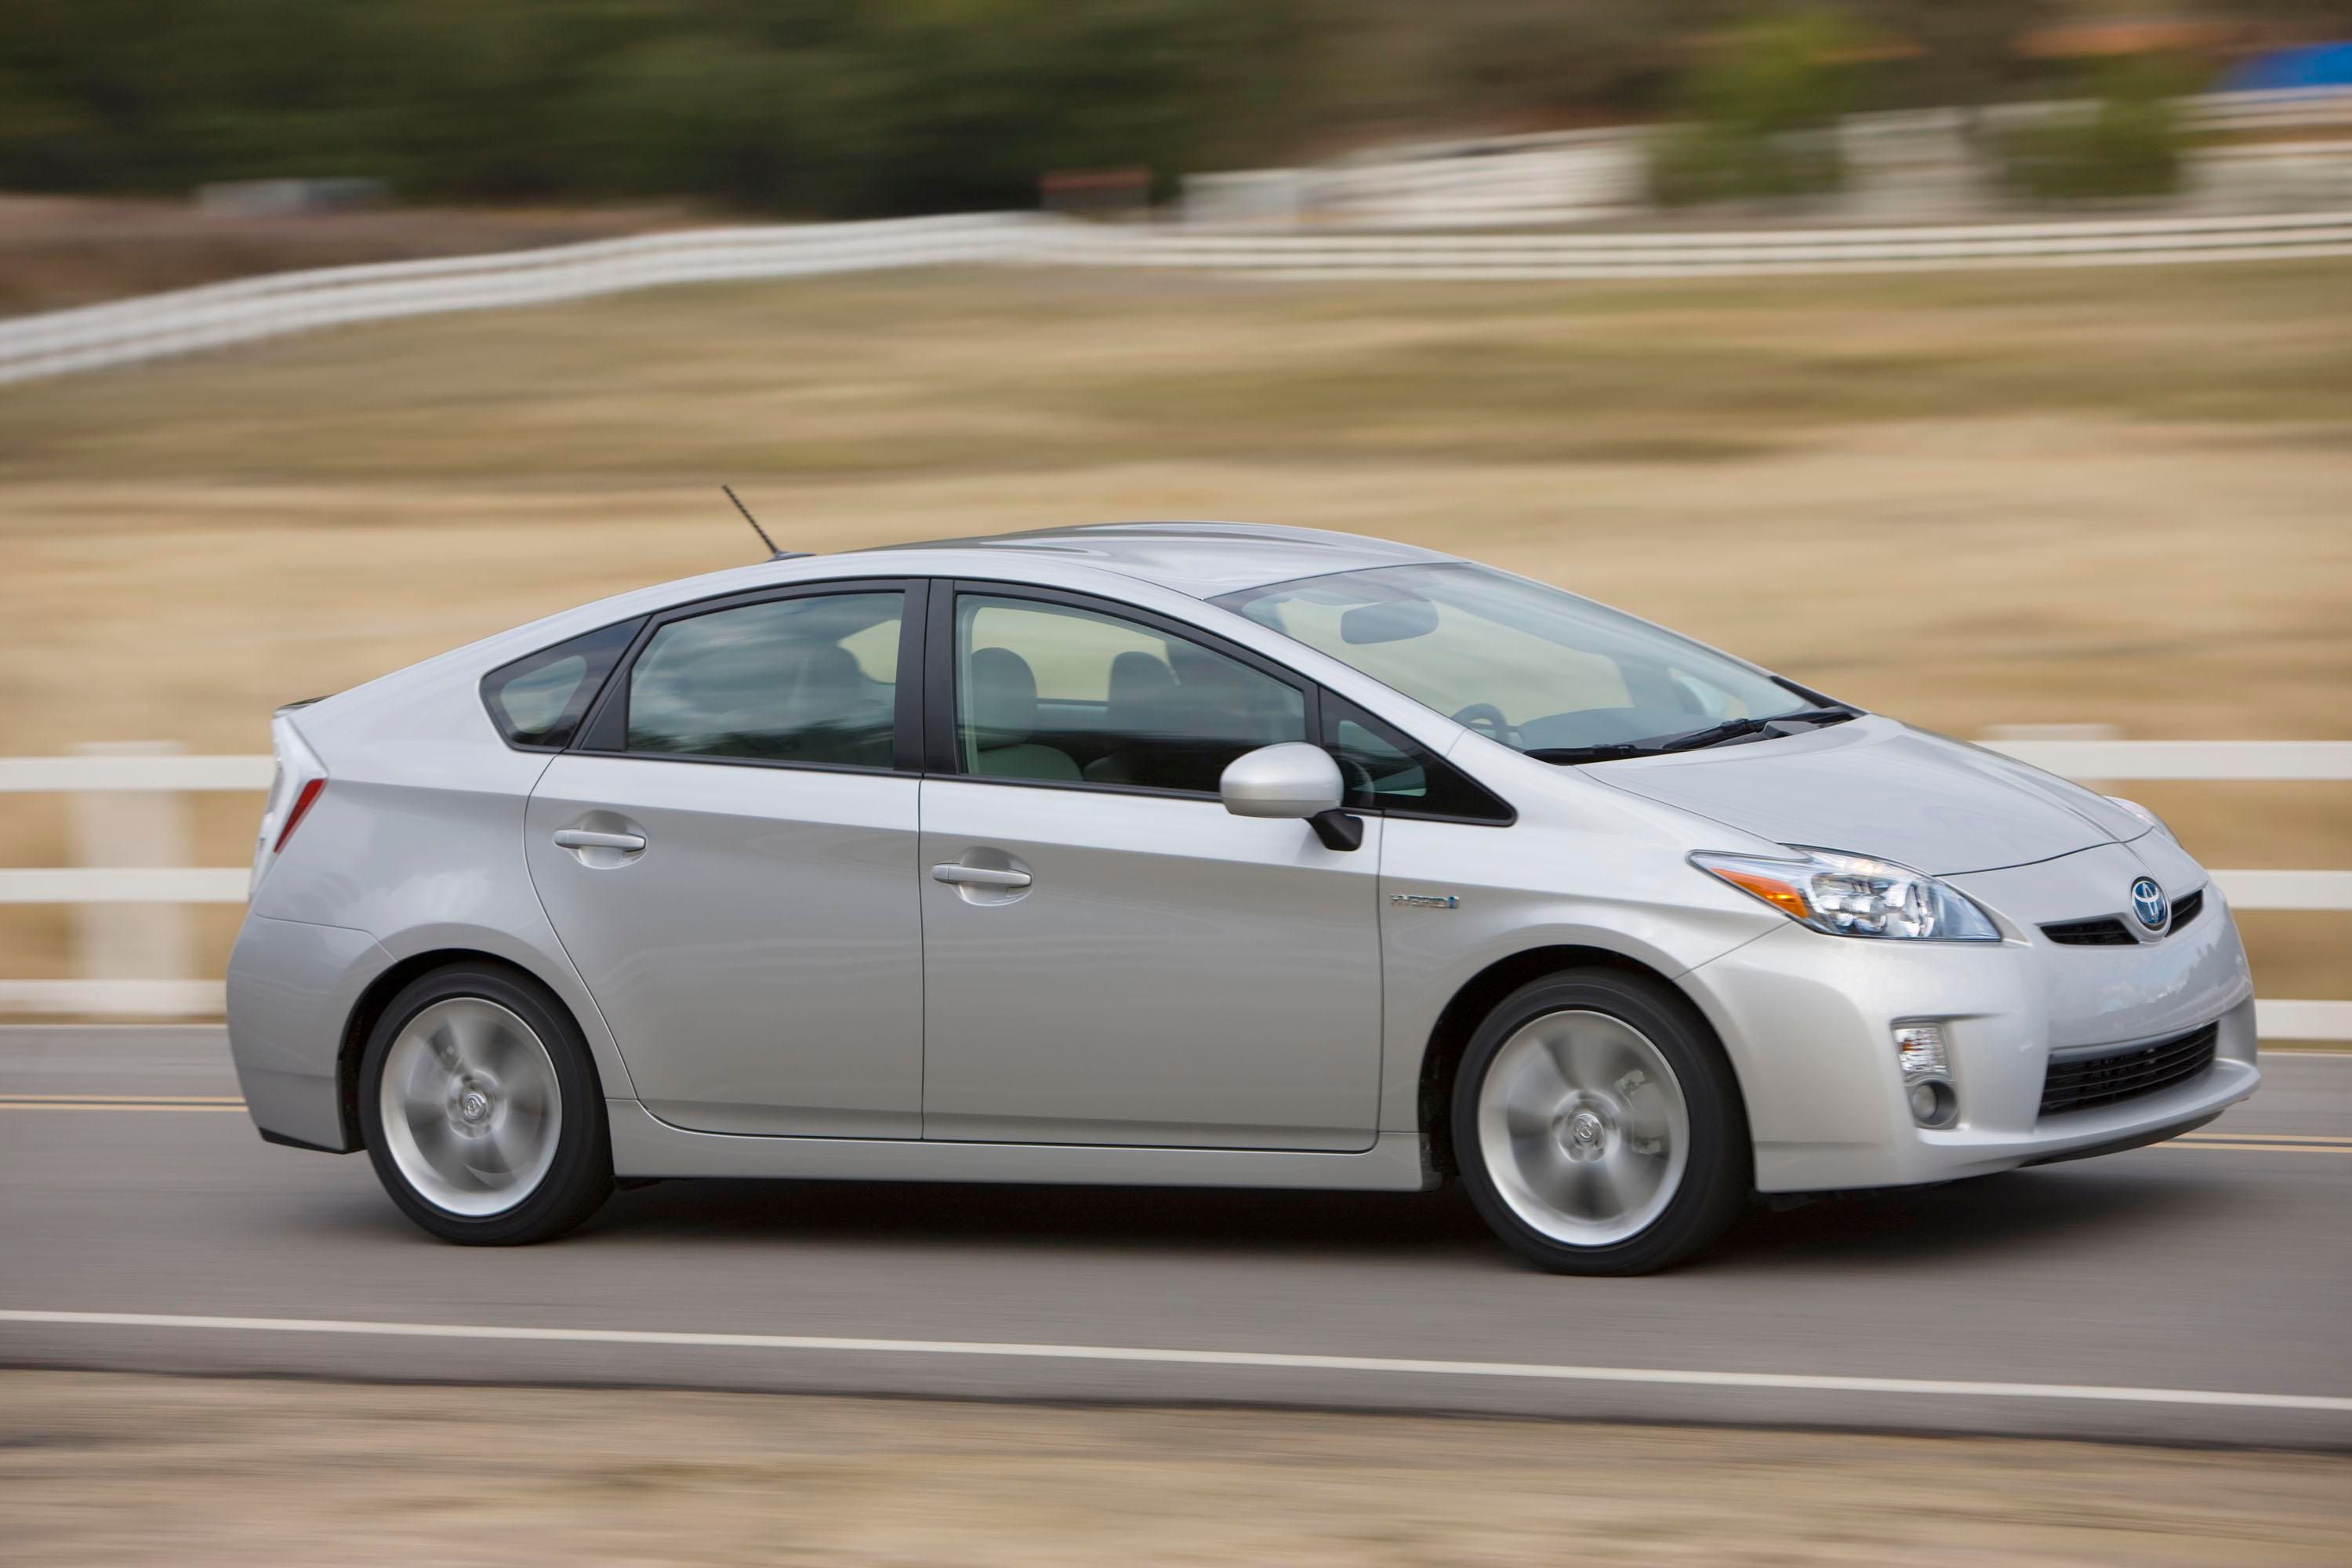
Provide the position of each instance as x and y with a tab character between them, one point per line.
807	679
538	701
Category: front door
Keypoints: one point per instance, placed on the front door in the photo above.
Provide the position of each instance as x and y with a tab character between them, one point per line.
1109	956
735	878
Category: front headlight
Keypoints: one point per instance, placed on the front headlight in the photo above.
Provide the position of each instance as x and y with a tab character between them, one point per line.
1851	895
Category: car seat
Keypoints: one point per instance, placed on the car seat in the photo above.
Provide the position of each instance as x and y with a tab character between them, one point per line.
1003	716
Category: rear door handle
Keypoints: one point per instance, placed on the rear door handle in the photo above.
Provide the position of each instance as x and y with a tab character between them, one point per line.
584	838
978	875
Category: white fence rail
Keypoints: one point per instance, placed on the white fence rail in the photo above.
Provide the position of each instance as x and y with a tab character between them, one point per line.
1739	253
185	321
151	776
2268	108
2249	761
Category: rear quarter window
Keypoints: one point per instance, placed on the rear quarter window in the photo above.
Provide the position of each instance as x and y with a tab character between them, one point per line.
538	701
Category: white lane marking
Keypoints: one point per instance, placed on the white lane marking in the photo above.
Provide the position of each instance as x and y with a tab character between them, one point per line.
122	1099
1803	1382
2270	1140
8	1032
2225	1146
108	1105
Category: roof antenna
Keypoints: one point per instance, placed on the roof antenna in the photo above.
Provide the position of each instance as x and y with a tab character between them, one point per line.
773	554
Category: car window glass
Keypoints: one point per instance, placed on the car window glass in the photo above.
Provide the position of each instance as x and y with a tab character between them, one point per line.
537	699
1527	665
1056	693
1383	771
809	680
1460	658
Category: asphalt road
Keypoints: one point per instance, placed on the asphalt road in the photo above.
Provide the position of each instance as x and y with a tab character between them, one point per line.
2077	1300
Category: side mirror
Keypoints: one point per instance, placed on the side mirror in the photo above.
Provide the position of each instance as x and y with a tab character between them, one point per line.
1292	780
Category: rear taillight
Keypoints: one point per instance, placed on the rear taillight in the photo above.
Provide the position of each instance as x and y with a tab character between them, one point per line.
294	817
299	778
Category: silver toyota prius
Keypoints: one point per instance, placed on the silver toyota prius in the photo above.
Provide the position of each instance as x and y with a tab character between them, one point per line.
1195	854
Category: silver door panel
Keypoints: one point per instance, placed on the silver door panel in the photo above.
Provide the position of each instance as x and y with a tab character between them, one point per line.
1170	976
756	958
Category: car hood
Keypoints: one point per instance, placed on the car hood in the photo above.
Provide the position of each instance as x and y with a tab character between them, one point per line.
1875	787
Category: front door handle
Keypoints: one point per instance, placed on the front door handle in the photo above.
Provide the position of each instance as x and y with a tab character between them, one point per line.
586	838
978	875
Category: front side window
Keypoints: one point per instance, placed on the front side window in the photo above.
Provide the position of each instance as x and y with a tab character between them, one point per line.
1055	693
1385	772
1532	667
539	699
809	680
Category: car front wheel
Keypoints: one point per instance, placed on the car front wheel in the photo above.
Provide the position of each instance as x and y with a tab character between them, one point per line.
481	1108
1599	1127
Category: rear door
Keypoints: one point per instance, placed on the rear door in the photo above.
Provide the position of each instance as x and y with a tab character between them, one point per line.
729	856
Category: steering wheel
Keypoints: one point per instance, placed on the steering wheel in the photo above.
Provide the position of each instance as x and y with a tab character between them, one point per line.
1486	718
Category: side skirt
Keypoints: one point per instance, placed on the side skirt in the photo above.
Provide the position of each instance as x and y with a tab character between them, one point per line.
644	1146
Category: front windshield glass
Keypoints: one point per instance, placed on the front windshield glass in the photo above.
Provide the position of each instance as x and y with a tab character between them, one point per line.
1534	667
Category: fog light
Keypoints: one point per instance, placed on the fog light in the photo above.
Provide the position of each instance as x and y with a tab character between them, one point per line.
1933	1103
1926	1074
1921	1047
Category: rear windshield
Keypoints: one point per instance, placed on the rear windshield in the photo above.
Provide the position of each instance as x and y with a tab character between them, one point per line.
538	701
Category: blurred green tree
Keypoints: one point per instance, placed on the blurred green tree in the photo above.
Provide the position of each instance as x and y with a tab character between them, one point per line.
1762	108
849	107
2128	145
817	105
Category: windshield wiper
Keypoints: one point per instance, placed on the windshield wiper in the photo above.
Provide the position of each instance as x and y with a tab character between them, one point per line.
1608	753
1693	740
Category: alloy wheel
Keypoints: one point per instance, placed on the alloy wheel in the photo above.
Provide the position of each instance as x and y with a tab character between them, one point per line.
1582	1128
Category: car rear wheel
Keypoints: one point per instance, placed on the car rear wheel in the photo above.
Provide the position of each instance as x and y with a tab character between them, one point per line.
481	1111
1599	1127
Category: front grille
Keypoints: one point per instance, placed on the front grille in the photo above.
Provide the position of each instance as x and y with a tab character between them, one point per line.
2081	1080
2105	931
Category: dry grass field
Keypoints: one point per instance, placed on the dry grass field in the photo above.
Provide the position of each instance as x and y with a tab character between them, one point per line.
2115	495
124	1470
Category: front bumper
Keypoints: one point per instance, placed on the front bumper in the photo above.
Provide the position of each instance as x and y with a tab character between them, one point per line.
1808	1020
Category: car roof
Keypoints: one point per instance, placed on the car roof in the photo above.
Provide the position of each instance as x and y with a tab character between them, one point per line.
1199	560
1202	559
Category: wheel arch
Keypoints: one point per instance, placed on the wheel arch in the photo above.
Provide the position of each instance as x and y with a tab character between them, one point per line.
1450	1037
372	1002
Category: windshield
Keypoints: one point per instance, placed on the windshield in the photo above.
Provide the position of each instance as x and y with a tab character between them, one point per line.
1532	667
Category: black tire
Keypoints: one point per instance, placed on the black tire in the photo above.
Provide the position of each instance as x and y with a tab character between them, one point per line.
578	1178
1717	1173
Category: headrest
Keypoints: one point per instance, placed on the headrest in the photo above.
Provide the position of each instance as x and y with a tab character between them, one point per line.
1139	686
1003	698
826	683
